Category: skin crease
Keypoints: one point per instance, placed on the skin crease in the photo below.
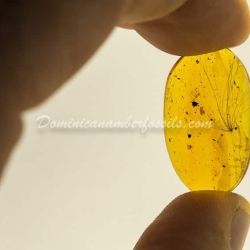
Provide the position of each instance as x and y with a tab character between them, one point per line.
190	28
43	43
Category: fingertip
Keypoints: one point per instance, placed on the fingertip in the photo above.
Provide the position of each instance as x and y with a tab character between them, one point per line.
199	27
199	220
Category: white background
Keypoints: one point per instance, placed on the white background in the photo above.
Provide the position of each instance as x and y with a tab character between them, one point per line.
95	190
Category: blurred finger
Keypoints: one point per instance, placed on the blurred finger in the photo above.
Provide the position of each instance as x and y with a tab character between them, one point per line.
42	44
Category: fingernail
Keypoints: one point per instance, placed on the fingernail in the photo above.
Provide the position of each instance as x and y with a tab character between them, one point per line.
239	229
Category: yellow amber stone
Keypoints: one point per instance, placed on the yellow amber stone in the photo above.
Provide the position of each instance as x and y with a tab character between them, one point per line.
207	120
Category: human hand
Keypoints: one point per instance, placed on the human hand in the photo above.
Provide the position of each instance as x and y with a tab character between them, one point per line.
43	43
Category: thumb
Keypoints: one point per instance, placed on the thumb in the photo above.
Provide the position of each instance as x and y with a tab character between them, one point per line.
201	220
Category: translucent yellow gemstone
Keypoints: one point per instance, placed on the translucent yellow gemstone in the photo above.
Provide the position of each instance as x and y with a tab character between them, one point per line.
207	118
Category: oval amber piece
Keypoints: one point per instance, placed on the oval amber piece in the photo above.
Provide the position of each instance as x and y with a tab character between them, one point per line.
207	120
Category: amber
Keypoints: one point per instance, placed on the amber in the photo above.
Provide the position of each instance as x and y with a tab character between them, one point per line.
207	120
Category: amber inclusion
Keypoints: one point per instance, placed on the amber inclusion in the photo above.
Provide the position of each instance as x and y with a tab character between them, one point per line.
207	119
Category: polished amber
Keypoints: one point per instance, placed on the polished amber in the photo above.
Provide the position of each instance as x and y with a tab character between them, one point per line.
207	119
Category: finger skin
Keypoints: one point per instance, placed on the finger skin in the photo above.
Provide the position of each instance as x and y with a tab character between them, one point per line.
42	44
199	27
199	221
139	11
40	51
